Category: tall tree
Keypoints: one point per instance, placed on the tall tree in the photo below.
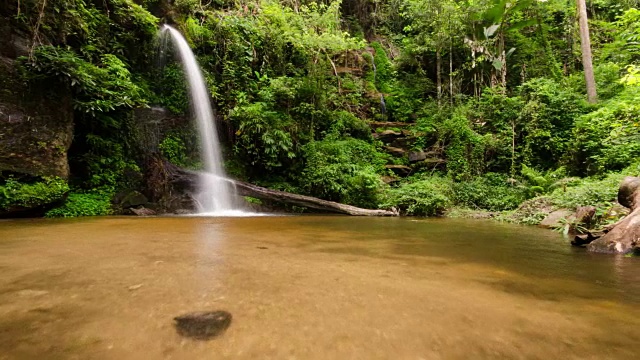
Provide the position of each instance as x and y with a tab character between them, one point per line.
585	44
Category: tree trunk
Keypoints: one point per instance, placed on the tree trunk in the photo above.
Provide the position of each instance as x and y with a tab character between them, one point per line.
503	61
624	236
585	44
246	189
451	72
166	180
439	75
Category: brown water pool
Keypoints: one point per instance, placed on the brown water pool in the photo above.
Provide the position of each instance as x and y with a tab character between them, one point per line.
311	288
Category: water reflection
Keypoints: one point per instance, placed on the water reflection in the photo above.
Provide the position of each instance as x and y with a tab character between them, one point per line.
209	247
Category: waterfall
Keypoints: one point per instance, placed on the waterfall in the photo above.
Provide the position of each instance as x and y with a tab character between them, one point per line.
215	195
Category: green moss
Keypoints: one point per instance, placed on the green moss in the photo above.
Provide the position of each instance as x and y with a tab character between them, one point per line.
17	194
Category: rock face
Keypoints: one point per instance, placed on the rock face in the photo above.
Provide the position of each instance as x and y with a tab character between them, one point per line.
624	236
133	199
36	123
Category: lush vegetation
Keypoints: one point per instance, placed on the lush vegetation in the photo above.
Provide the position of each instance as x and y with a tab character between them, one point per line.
492	91
30	193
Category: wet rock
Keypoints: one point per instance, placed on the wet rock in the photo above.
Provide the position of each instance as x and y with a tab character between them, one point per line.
399	170
584	215
142	211
183	212
555	218
203	325
624	236
398	152
134	287
627	192
585	239
403	142
390	179
387	124
387	136
133	199
416	156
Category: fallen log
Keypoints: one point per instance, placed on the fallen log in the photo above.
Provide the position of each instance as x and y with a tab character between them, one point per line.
624	236
246	189
167	178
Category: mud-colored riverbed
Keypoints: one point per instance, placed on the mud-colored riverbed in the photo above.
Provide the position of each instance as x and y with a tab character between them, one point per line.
311	288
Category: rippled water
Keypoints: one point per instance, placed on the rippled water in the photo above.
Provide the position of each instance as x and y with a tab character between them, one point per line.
311	288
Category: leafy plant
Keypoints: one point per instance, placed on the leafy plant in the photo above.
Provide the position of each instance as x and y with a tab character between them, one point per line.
15	193
425	197
174	149
92	203
343	170
493	192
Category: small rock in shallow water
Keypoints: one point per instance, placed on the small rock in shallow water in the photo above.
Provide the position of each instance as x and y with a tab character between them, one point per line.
135	287
203	325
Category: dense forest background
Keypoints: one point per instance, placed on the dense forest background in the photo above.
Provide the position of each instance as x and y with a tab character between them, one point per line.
421	105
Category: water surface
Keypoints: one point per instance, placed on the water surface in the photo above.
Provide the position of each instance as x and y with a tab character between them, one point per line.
311	288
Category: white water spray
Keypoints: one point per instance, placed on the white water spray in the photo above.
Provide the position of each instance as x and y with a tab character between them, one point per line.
215	193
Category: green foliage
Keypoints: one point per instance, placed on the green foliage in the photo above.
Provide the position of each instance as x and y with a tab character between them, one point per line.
546	122
100	88
420	197
493	192
464	148
174	149
345	124
607	139
172	89
342	170
589	191
262	137
15	193
296	92
539	182
93	203
383	69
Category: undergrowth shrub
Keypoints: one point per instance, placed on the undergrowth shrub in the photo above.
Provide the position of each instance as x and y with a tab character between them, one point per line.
491	192
92	203
343	170
588	191
607	139
421	197
174	149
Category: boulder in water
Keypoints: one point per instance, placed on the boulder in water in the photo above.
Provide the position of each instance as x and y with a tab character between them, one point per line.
624	236
203	325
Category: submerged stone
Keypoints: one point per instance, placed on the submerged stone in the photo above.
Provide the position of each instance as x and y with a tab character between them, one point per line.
203	325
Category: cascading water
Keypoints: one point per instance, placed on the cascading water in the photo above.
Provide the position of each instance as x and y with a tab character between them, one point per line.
215	193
